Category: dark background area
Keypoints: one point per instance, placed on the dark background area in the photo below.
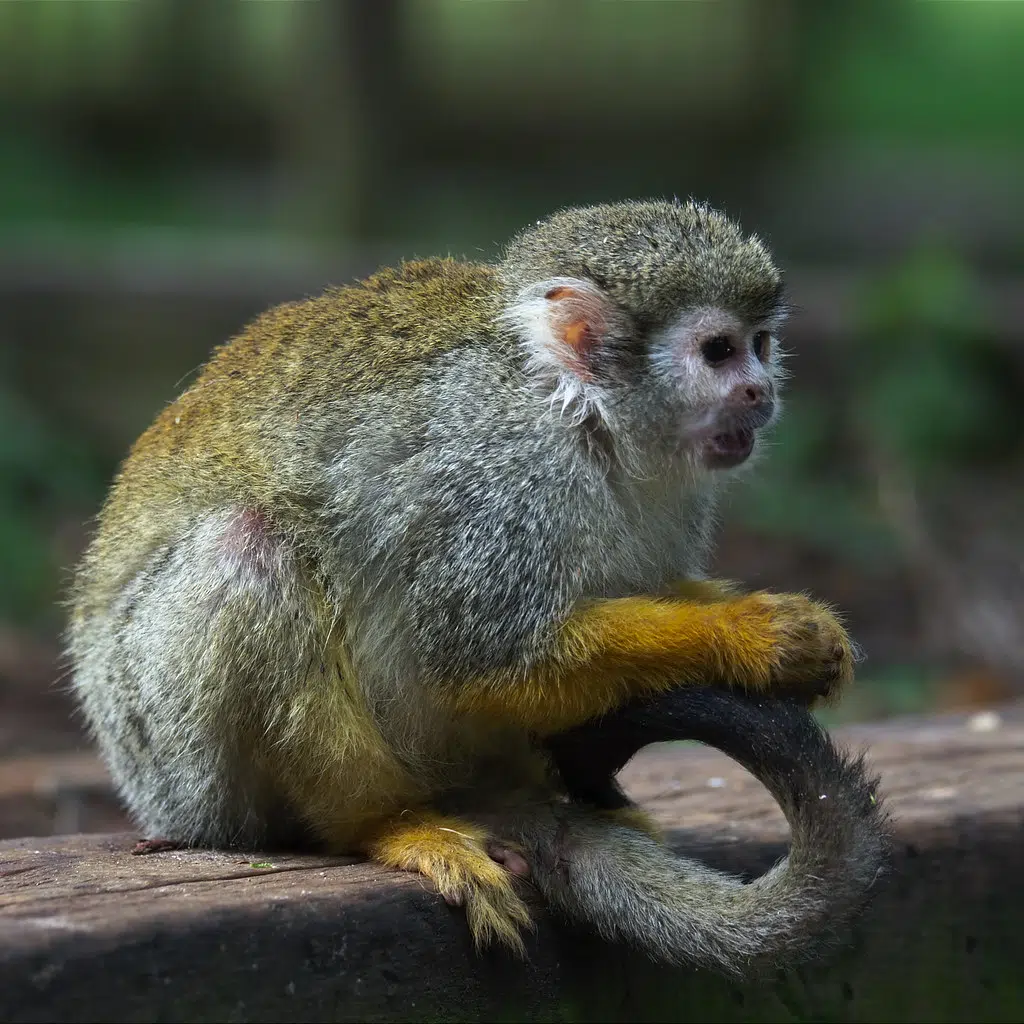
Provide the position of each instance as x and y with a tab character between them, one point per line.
169	169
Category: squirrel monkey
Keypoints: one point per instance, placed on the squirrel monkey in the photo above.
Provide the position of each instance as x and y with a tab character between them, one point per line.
395	536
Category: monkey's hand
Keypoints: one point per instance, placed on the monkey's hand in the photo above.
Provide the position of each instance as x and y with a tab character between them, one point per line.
805	651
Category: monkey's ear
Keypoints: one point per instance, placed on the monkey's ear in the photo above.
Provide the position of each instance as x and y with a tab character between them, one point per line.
577	321
563	323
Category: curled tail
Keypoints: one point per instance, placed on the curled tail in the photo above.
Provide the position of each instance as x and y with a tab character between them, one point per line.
631	889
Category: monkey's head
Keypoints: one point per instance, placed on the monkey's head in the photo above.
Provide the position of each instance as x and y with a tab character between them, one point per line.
656	318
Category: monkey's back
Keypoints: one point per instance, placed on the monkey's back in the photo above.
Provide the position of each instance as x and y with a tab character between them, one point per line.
199	614
240	433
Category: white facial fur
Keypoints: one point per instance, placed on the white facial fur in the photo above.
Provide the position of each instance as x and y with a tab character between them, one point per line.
679	361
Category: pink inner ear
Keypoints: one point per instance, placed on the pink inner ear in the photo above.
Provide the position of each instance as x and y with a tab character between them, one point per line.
578	322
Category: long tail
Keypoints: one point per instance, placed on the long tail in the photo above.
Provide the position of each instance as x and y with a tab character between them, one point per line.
631	889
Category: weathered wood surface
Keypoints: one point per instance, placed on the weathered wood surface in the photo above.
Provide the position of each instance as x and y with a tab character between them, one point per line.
89	932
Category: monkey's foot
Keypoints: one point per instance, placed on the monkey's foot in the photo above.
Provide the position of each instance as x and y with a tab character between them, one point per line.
457	858
155	845
510	859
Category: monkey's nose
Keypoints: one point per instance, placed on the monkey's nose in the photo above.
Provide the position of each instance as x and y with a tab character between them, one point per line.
756	401
751	394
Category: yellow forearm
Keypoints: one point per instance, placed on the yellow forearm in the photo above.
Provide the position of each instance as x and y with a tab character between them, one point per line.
613	650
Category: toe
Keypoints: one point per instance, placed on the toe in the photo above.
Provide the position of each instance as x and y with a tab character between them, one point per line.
511	860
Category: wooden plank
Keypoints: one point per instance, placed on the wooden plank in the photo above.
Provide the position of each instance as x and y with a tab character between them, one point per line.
89	932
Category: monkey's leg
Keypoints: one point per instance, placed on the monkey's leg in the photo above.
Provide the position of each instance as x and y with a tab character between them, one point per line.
611	651
184	672
229	714
346	781
340	779
465	864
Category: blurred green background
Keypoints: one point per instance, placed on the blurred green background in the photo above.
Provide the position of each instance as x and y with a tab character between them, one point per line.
169	169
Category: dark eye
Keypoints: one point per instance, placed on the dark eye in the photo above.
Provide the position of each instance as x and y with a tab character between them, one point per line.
717	350
762	344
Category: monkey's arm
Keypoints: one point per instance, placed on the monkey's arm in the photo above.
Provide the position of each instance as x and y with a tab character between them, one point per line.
612	650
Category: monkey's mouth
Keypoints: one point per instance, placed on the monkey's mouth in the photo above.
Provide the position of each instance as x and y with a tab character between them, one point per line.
723	451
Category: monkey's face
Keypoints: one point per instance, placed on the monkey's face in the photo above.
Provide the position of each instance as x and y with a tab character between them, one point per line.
696	391
717	376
